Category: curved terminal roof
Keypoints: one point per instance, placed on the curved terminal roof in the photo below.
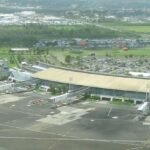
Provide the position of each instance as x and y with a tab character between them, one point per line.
94	80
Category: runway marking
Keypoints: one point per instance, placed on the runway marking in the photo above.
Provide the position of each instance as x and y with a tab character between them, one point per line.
115	117
126	142
27	113
67	138
109	112
136	148
146	123
11	121
23	111
52	112
92	120
27	129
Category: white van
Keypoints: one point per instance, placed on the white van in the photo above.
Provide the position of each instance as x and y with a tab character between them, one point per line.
44	88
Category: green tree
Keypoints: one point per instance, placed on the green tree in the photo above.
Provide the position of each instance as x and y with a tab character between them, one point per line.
68	59
20	58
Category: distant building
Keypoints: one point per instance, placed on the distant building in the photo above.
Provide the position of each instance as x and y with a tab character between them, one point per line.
19	75
19	50
4	69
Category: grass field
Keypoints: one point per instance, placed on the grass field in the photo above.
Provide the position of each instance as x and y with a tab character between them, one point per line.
60	54
106	52
139	28
120	52
122	103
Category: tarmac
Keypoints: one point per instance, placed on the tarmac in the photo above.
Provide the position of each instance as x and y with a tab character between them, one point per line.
29	121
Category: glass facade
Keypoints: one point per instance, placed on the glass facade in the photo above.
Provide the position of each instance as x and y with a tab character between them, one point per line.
103	92
118	93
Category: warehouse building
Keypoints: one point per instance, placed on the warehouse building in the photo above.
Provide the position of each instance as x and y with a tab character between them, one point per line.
106	86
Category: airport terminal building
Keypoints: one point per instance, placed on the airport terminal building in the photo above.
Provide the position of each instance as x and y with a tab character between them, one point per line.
105	86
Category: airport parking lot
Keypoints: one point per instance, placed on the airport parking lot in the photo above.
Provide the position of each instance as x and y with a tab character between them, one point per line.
28	121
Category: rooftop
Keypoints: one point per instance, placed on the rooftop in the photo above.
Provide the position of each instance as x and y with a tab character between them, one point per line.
93	80
19	49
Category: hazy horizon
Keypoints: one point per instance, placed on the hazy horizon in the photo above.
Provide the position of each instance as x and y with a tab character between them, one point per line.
86	4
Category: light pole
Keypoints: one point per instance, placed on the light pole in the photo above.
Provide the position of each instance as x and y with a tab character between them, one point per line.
70	80
69	90
148	92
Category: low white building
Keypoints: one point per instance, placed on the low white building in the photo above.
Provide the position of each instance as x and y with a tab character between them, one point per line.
19	75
